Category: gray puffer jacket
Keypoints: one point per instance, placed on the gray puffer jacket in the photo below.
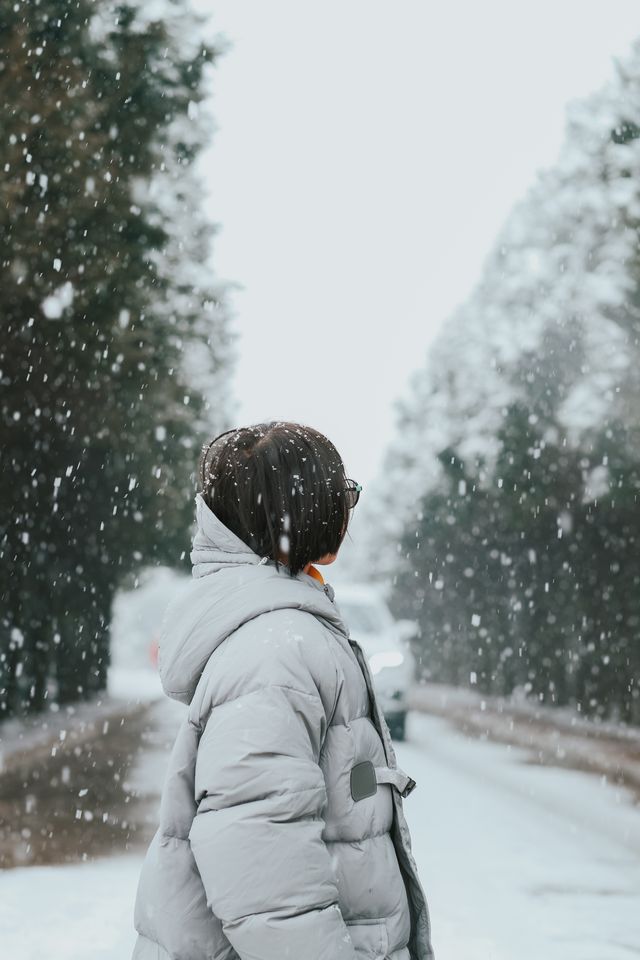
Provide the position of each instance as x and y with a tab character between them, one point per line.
282	833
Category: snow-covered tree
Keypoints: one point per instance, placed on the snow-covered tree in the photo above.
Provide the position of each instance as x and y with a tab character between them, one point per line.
108	305
508	503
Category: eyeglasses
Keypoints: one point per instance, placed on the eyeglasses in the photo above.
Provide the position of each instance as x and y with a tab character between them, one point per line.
205	452
353	493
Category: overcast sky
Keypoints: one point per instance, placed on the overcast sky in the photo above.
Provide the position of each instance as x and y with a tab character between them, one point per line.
366	155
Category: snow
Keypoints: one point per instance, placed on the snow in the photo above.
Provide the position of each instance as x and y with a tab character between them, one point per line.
517	860
54	305
81	911
136	618
134	685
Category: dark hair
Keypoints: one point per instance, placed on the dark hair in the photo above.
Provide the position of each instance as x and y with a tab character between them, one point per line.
280	487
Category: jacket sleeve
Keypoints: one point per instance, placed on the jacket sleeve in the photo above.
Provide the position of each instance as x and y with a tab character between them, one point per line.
257	834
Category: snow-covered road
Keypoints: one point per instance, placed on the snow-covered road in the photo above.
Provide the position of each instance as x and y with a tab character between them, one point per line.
519	862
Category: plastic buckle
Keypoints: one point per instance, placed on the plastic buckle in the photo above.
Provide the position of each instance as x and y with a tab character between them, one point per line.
409	787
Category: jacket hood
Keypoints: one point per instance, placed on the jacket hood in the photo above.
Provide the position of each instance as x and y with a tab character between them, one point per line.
230	585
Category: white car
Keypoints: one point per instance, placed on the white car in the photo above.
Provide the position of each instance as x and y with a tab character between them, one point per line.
385	642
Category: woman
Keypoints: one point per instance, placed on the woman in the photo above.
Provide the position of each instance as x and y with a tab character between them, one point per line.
281	833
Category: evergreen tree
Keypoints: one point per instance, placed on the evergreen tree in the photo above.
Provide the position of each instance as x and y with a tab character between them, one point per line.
100	422
520	443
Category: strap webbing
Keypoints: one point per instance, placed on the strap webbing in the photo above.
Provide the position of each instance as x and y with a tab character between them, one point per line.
397	777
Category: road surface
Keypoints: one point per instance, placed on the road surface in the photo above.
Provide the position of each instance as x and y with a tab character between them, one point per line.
519	861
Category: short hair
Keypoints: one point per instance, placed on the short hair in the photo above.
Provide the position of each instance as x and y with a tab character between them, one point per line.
280	487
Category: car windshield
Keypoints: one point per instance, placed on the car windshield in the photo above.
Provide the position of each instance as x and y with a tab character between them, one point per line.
361	618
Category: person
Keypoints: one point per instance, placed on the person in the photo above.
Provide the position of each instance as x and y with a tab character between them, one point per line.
281	828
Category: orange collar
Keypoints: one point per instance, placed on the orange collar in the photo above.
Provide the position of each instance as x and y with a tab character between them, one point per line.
314	572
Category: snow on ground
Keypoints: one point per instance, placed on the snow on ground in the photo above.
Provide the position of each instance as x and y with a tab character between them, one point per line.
558	736
519	861
69	912
136	616
134	685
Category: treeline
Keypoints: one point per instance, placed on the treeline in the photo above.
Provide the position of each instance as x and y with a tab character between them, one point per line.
529	582
106	298
514	482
